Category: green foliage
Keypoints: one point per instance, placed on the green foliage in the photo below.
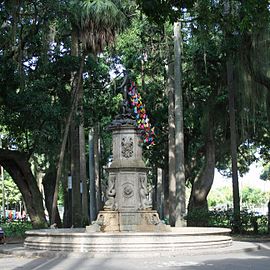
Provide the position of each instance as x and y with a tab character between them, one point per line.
160	11
16	228
198	217
96	22
36	67
250	223
266	172
142	50
220	197
207	52
101	97
220	219
60	200
33	87
254	197
12	194
251	198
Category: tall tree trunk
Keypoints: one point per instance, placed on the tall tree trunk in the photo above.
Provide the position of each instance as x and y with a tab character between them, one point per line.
75	173
171	146
233	146
197	207
74	101
166	193
160	193
154	185
171	136
97	169
17	165
180	191
67	183
49	186
85	208
75	143
233	138
92	186
78	162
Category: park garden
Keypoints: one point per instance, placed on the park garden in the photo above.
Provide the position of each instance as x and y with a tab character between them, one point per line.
201	69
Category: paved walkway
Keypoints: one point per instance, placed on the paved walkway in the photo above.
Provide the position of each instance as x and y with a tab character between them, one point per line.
241	256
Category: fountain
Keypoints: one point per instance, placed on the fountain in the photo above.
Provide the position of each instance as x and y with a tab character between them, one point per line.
127	225
127	207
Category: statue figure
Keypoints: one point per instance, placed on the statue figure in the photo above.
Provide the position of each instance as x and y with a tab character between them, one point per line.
110	193
144	203
126	116
126	110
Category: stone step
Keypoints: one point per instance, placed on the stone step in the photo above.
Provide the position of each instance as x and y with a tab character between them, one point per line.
179	240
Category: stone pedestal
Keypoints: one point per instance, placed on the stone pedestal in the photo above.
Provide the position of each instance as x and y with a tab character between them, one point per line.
127	207
125	221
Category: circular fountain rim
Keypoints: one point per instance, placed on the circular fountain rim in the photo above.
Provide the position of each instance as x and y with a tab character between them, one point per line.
128	244
174	231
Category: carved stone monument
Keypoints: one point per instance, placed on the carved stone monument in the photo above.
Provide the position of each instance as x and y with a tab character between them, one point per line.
127	207
127	225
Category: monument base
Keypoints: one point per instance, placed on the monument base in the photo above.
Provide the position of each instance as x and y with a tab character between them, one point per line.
185	240
128	221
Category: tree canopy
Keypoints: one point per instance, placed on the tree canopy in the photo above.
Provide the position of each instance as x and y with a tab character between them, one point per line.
52	50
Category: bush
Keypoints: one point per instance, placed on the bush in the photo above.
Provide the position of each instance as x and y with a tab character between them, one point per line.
198	218
250	222
220	219
16	228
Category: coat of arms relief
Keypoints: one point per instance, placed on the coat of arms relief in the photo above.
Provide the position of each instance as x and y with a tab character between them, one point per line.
127	147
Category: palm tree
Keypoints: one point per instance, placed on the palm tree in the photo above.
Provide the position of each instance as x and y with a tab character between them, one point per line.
99	23
94	25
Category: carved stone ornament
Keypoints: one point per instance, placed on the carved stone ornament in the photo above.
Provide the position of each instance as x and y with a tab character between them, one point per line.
127	147
144	203
128	191
110	193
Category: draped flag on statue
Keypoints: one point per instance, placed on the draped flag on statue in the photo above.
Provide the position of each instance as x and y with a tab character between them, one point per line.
142	120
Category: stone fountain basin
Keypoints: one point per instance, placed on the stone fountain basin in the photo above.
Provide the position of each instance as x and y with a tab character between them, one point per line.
179	241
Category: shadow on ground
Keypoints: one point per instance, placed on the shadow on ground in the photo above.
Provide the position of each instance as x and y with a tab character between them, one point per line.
258	260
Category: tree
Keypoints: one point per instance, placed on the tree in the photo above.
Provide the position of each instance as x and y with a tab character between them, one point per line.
220	198
253	197
202	184
160	12
236	197
96	23
12	195
229	48
171	139
179	131
204	77
23	96
17	165
40	80
42	90
266	172
230	12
